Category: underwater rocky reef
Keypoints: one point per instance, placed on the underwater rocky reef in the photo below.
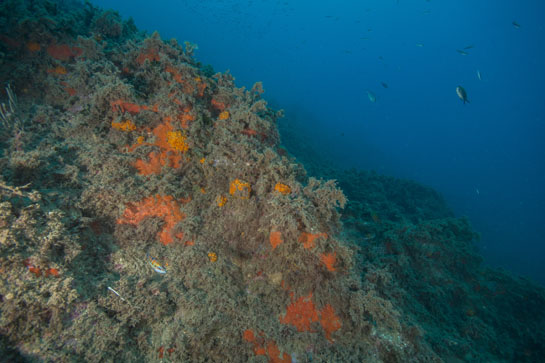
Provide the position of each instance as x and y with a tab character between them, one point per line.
149	212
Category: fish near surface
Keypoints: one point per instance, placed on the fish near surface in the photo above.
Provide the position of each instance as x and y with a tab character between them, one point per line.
462	94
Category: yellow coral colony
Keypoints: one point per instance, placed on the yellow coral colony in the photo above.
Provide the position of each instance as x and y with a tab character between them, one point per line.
212	256
177	141
282	188
224	115
240	189
127	125
221	200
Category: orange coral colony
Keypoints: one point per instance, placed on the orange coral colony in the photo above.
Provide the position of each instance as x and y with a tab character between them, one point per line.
165	207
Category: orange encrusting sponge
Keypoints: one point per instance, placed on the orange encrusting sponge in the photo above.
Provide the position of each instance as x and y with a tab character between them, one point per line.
149	54
307	239
329	260
301	313
329	321
266	348
172	144
275	238
162	206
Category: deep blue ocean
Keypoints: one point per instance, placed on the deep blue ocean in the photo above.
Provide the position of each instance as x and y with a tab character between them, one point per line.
324	61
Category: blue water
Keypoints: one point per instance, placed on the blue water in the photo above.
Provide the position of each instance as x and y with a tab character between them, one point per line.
319	59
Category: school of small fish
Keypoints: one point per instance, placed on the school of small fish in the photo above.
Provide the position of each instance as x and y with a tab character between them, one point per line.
460	91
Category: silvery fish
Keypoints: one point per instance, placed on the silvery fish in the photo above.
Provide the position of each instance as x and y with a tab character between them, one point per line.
462	94
371	96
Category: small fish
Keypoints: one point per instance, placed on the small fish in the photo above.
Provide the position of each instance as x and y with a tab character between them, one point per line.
462	94
115	292
479	75
371	96
385	85
369	236
419	45
515	24
462	52
157	267
477	191
469	46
